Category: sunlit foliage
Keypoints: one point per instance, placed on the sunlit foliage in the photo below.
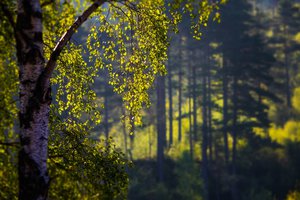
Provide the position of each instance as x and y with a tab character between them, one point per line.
127	38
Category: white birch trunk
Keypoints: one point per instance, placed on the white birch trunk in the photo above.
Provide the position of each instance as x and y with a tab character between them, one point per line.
35	94
34	103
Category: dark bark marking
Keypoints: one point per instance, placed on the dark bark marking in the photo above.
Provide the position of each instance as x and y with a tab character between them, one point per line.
25	141
31	186
27	117
40	96
47	98
28	9
43	138
34	56
26	82
38	36
37	14
23	20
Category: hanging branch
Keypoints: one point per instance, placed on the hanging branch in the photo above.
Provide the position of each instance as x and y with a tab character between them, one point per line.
50	66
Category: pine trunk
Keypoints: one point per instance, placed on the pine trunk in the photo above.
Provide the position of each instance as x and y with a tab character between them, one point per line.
234	138
190	115
204	136
124	132
225	112
180	100
194	103
161	126
170	105
209	113
287	72
131	137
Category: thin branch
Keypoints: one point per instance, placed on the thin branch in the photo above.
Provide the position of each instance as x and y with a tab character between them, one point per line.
65	39
130	6
119	8
14	143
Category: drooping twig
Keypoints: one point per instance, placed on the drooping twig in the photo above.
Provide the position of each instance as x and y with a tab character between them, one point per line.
50	66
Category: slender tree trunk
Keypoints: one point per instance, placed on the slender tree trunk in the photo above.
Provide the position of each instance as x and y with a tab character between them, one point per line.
162	107
204	136
161	126
34	103
124	133
180	99
234	118
106	116
150	142
170	104
234	138
195	125
209	112
225	112
190	114
131	137
287	73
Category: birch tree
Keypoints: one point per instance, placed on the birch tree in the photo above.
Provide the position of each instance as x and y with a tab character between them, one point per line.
131	35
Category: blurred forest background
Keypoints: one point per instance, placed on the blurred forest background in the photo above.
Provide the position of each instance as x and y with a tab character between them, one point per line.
225	121
223	124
